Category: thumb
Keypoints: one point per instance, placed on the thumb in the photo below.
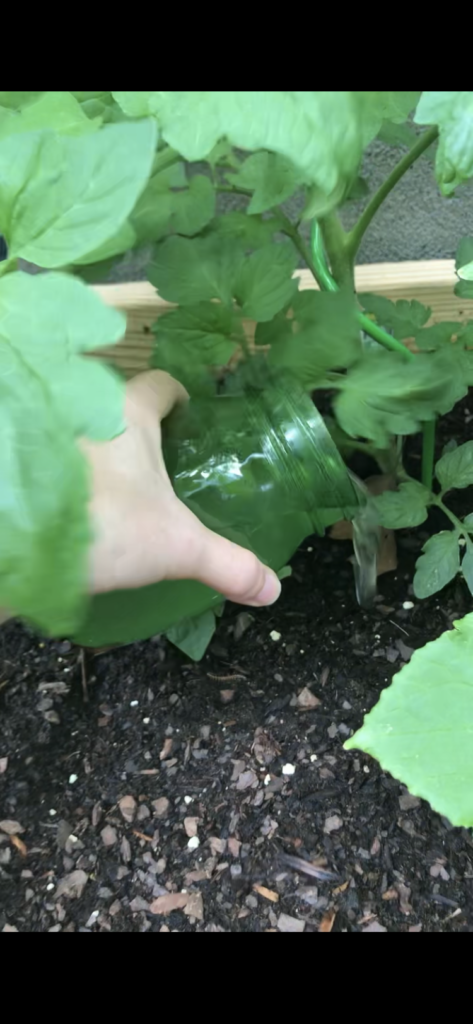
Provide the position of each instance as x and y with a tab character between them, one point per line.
232	570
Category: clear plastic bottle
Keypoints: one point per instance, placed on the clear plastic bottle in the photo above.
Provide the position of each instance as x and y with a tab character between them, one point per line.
260	469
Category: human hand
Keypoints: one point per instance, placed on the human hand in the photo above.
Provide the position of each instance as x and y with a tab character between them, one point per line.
143	533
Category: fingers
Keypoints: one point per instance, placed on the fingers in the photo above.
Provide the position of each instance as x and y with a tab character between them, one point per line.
154	394
232	570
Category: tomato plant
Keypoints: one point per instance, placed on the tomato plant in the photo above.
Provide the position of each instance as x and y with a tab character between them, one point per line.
86	177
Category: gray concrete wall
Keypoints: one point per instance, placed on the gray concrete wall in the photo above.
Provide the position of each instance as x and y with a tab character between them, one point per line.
414	223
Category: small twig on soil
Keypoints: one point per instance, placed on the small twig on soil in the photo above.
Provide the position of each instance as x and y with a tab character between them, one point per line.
85	691
398	626
141	835
307	868
226	679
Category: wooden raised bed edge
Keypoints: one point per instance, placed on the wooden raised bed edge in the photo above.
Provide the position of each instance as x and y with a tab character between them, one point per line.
429	281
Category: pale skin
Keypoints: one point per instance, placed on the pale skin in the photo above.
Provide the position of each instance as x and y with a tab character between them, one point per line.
143	533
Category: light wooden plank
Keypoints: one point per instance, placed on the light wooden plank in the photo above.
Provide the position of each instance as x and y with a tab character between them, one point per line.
429	281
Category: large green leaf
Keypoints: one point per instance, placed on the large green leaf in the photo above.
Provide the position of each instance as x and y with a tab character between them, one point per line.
49	319
62	197
383	394
323	334
194	337
421	729
467	568
14	100
272	179
188	270
379	107
406	507
264	283
403	318
455	468
162	208
56	111
319	132
48	397
121	241
438	564
453	113
455	340
192	636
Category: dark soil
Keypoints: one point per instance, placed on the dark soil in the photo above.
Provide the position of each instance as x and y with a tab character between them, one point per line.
230	755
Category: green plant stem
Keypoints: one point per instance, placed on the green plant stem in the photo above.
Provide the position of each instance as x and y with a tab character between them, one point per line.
335	242
328	283
356	234
290	230
437	500
428	453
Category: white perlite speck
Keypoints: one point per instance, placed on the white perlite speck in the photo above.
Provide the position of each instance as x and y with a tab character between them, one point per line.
288	769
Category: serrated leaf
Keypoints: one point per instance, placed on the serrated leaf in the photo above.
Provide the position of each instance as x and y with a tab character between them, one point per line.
187	271
162	208
429	339
252	232
453	113
455	468
438	564
464	289
192	636
464	253
62	197
55	111
384	395
322	335
264	283
193	337
467	568
421	728
403	318
318	131
406	507
50	396
272	179
194	206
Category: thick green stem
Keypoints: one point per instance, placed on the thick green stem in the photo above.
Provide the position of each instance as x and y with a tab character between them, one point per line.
339	256
355	236
428	453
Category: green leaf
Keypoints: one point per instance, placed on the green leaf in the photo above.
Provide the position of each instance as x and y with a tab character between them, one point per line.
323	335
161	209
48	397
406	507
318	131
453	113
56	111
14	100
375	108
50	319
455	469
61	197
468	520
252	232
455	340
134	104
464	289
192	636
264	283
122	241
403	318
187	270
397	134
384	395
271	177
438	564
193	337
438	336
467	568
421	728
464	253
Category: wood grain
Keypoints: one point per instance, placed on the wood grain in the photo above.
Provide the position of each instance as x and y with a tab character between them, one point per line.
429	281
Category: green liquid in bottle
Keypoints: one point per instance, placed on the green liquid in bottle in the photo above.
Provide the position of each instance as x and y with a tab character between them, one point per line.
260	469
